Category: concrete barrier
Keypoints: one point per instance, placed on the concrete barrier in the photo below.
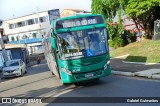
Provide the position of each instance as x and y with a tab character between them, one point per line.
122	73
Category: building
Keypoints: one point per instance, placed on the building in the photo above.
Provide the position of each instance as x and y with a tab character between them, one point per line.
68	12
4	38
15	51
128	23
30	29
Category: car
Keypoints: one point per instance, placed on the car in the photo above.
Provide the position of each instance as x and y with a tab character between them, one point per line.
14	68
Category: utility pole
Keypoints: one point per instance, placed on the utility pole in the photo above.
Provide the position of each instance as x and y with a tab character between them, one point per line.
39	26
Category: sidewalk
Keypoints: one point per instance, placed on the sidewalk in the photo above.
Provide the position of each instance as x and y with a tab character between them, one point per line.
134	69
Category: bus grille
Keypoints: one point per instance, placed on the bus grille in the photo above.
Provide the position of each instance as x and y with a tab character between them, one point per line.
82	76
86	62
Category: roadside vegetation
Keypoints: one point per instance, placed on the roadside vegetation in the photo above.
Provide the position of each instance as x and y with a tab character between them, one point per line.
143	13
146	51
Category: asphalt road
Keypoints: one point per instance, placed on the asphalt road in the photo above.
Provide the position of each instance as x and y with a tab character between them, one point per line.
39	82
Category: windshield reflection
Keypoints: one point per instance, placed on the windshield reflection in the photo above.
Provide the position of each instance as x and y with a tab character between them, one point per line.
16	63
84	43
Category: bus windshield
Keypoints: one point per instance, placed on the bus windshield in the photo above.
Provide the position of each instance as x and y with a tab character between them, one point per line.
83	43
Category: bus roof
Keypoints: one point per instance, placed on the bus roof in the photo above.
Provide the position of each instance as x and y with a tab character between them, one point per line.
78	16
78	21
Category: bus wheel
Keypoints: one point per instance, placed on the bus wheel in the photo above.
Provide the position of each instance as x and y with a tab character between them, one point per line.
97	79
65	83
78	83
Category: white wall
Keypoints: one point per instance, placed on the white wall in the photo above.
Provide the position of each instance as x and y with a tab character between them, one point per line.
8	31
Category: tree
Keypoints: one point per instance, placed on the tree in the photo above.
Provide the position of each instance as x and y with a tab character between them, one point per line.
106	7
144	12
110	8
97	6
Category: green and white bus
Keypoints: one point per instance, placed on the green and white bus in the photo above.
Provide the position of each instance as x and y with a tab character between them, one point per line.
77	48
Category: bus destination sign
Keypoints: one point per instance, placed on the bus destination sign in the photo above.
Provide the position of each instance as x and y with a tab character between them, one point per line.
79	22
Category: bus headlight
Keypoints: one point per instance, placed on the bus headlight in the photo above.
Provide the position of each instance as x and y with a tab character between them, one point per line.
106	65
67	71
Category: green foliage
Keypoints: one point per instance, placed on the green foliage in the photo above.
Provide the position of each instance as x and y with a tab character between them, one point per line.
120	22
97	6
109	9
117	42
132	36
145	12
138	8
141	11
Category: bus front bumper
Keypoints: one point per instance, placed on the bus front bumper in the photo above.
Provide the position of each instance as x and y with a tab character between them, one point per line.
85	76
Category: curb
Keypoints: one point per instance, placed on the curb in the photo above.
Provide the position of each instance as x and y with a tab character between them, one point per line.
155	76
134	74
122	73
143	74
141	63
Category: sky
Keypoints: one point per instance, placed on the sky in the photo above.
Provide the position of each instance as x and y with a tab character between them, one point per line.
15	8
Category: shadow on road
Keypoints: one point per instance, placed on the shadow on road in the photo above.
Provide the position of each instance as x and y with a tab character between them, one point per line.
48	91
24	84
53	91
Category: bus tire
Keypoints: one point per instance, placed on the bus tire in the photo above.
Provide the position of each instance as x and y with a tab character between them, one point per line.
97	79
78	83
65	83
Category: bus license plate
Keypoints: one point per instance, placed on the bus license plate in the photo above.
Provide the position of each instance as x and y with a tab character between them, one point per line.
89	75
